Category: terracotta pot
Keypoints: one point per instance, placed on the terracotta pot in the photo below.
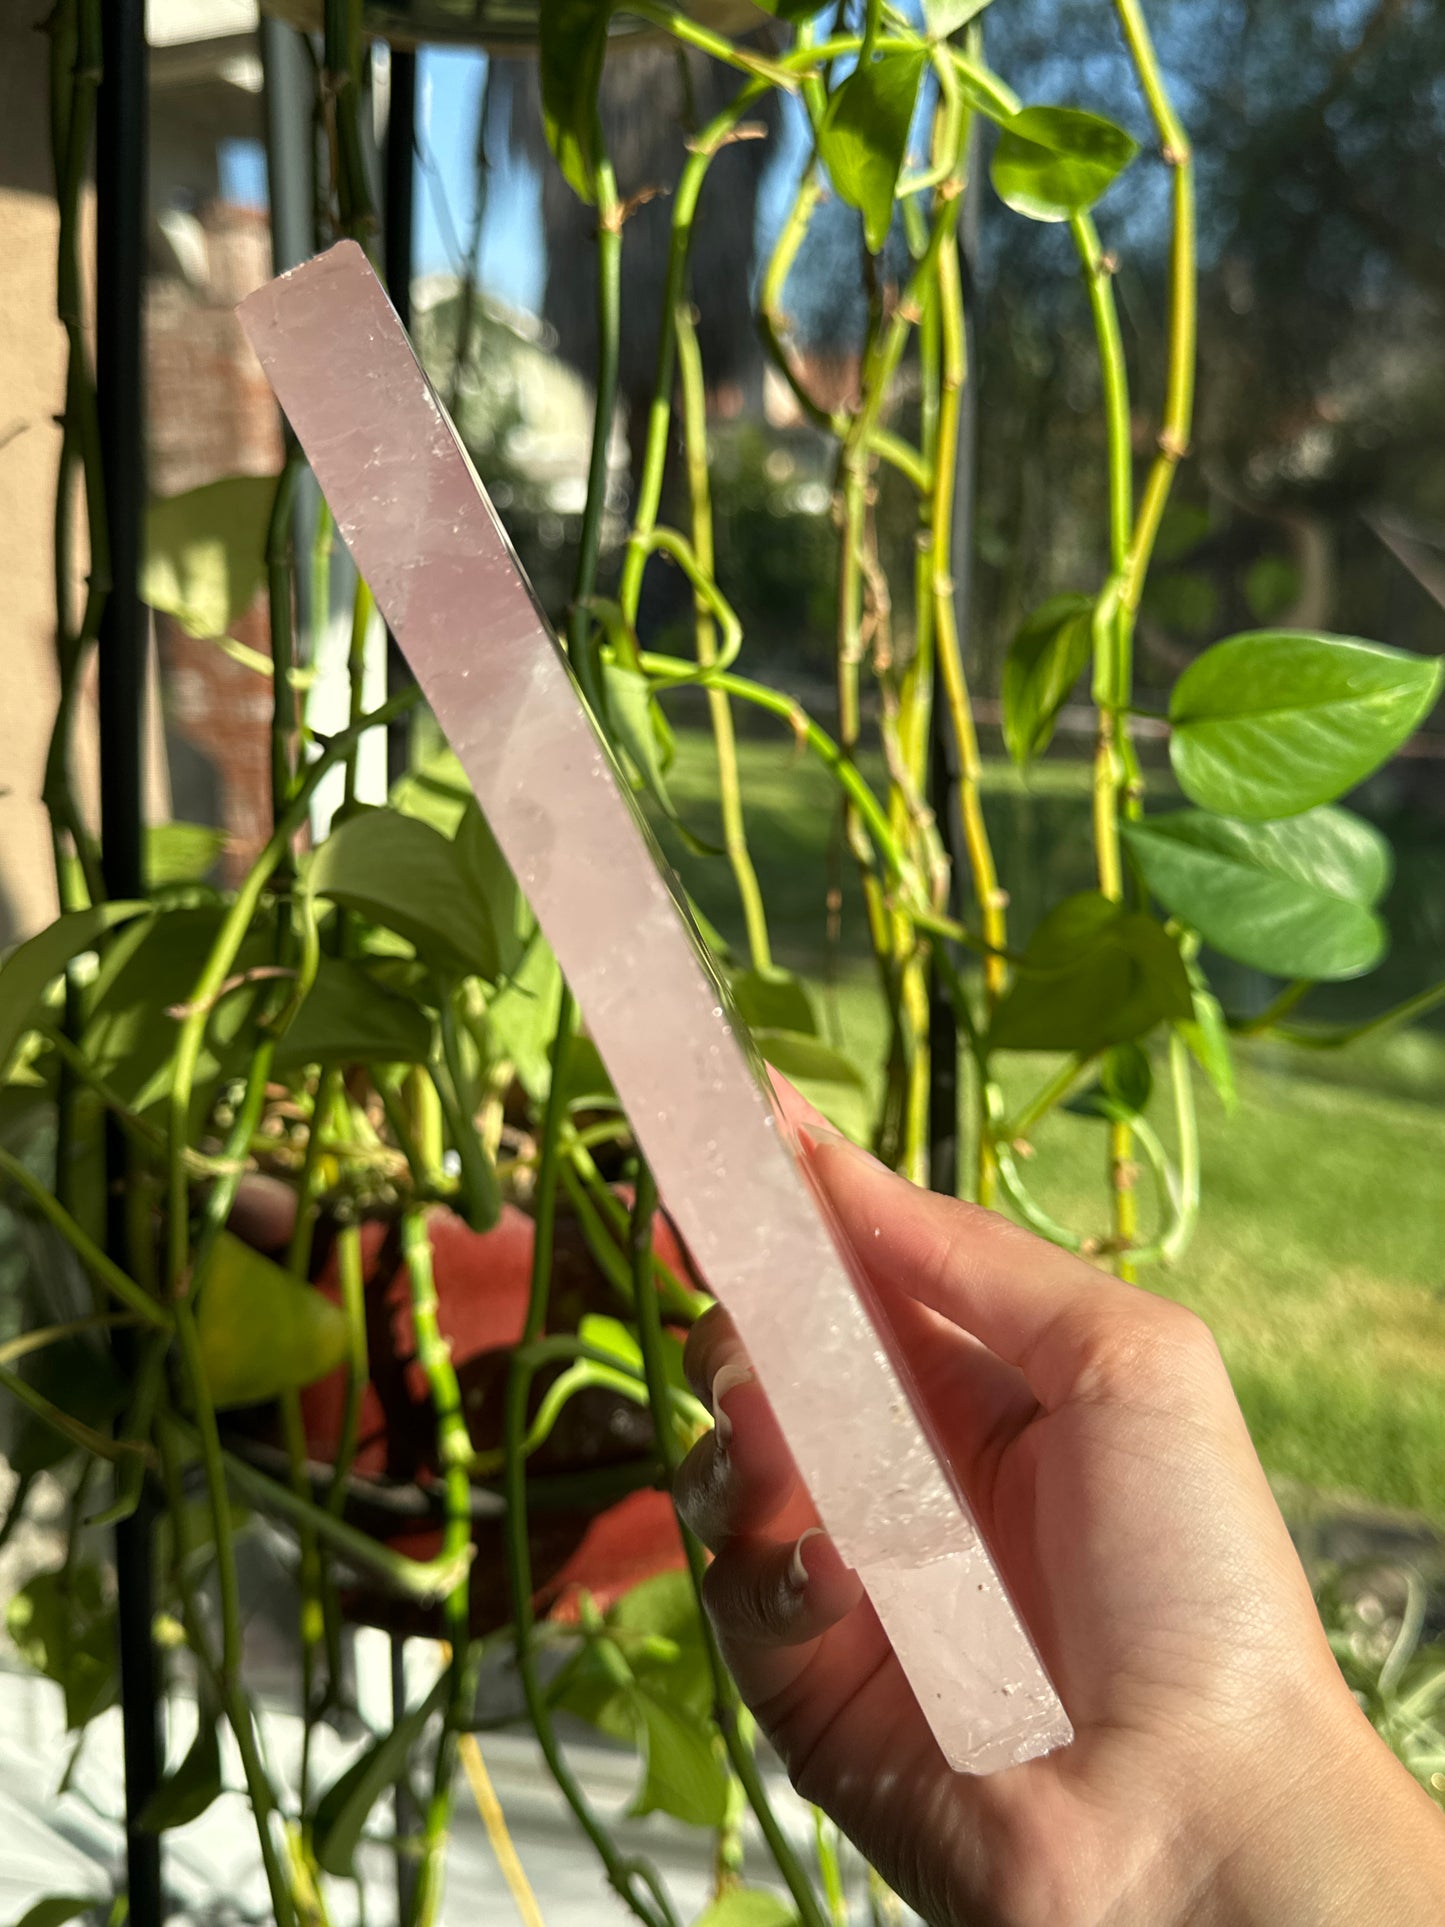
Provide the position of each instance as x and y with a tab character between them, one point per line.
605	1537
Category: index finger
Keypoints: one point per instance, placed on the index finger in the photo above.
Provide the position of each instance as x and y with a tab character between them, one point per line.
1031	1304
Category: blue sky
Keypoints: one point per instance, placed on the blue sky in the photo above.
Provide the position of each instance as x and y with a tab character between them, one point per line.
512	262
512	265
448	93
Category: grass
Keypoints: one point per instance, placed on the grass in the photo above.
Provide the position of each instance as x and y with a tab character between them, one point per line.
1320	1257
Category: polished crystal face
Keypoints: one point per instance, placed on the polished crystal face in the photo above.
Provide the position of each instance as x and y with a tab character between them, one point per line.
425	537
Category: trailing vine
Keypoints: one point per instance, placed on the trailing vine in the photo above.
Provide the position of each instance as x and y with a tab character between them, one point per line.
376	1024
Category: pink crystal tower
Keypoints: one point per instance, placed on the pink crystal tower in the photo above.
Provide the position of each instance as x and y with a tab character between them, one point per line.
423	534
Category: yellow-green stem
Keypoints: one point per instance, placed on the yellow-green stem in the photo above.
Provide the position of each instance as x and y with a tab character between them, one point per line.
227	1686
727	1704
454	1453
730	801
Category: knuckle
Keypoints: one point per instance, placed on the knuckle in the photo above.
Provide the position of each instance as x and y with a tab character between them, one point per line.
700	1491
1146	1346
701	1348
748	1597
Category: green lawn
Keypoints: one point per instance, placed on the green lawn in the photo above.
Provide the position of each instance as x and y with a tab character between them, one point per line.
1320	1258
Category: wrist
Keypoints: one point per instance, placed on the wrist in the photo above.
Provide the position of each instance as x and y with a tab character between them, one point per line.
1328	1829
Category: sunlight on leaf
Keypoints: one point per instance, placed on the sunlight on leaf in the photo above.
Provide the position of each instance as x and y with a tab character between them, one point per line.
1295	898
262	1331
1271	723
206	552
1051	162
865	134
1045	660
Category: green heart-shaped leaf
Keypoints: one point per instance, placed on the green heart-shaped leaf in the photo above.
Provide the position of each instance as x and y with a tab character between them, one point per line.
806	1059
865	134
774	1000
747	1907
206	552
1206	1035
632	720
34	965
63	1625
398	871
683	1773
490	883
147	975
1051	162
184	1794
1294	897
262	1331
1045	660
55	1910
572	43
343	1809
945	17
1094	974
1274	722
348	1018
181	852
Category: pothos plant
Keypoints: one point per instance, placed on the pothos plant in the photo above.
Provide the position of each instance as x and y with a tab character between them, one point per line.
319	1074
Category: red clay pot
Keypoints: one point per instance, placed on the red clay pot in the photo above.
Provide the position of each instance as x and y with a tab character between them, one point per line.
624	1533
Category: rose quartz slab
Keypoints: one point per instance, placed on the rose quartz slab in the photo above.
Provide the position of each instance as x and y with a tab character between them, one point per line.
425	537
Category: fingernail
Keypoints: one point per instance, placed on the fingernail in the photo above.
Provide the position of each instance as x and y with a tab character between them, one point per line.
797	1571
728	1378
817	1136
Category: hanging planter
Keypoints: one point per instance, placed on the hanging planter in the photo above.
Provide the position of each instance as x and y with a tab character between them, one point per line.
600	1518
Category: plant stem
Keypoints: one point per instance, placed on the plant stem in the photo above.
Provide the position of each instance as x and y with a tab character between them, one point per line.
688	30
351	1278
650	1907
1098	270
228	1688
1177	422
668	669
74	74
1278	1006
500	1840
479	1189
454	1453
773	326
70	1429
362	607
423	1580
990	898
702	152
730	801
223	954
341	103
1112	672
1404	1013
279	583
609	324
102	1268
725	1693
1065	1080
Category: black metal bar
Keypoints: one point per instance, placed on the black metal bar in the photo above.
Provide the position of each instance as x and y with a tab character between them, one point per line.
290	142
120	168
398	249
943	1160
120	224
400	182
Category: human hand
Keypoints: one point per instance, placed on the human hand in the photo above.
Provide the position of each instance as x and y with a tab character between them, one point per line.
1221	1771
